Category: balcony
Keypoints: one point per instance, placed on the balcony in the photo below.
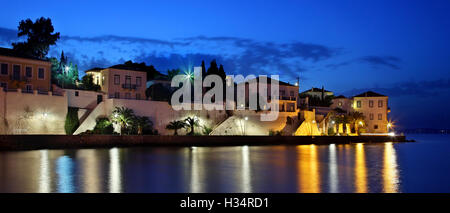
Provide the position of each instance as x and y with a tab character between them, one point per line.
129	86
20	78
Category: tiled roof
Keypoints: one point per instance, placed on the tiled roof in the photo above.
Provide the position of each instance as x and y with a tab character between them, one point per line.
314	89
12	53
369	94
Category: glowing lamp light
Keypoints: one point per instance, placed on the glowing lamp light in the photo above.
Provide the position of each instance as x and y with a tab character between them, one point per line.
389	125
45	114
314	121
361	123
391	133
333	122
116	115
246	118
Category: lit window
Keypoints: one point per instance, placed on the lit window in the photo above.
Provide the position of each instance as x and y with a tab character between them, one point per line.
340	104
358	104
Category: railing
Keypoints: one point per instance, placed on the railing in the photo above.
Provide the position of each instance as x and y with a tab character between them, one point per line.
129	86
20	78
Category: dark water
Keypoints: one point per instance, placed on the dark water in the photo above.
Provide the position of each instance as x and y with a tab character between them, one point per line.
423	166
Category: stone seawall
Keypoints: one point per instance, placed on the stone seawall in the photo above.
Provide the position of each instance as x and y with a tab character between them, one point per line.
33	142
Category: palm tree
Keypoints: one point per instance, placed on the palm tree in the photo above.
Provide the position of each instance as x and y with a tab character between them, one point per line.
142	122
191	122
356	118
176	125
122	116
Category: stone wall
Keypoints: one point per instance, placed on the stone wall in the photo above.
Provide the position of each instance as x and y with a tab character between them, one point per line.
32	113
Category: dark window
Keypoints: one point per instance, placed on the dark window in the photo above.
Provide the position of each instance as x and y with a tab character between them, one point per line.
371	116
4	69
371	104
282	92
41	73
375	126
29	88
98	80
128	80
358	104
138	81
380	103
16	72
117	95
77	93
28	72
292	93
138	96
380	116
4	85
116	79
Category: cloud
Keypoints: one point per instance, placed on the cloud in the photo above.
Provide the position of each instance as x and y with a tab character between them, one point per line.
427	88
238	55
383	61
376	62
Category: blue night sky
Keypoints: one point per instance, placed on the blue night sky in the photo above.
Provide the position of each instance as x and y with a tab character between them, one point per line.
397	48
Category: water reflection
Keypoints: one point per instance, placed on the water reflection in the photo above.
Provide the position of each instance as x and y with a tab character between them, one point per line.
64	170
196	171
306	168
360	169
390	171
115	179
307	165
333	177
44	172
246	184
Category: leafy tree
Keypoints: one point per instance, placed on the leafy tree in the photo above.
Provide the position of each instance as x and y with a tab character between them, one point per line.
203	69
129	65
39	37
72	122
88	83
355	118
124	117
191	123
158	92
213	69
176	125
172	73
64	74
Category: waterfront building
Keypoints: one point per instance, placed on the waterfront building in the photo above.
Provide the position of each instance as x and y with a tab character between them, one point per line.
23	72
316	92
288	94
374	107
120	83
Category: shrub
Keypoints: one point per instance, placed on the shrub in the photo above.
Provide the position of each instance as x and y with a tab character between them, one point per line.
103	126
72	121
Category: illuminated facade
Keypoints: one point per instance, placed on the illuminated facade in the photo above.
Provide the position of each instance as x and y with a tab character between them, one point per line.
24	73
120	83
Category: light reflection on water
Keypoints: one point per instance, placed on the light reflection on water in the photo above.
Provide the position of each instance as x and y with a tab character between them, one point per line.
305	168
